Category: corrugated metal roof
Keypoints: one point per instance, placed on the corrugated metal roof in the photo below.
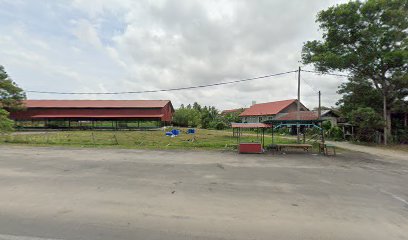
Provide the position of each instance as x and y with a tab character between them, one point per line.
233	110
95	103
270	108
88	116
250	125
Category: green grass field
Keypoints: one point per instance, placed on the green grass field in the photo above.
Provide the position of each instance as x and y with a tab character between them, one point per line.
203	139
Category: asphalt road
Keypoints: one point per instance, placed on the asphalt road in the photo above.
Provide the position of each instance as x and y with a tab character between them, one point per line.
58	193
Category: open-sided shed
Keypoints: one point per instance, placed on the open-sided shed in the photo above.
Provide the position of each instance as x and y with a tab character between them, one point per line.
118	112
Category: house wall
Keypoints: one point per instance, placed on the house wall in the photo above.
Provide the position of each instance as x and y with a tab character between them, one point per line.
333	120
256	119
168	112
293	108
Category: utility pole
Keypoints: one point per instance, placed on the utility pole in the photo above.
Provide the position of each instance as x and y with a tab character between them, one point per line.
298	109
320	107
320	117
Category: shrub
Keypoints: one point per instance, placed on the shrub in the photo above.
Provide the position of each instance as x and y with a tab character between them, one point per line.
6	124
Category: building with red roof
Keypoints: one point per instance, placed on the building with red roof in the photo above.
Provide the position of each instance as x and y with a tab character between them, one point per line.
233	111
267	111
94	110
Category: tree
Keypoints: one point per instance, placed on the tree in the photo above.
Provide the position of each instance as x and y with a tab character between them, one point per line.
358	93
368	40
11	95
186	117
6	125
368	121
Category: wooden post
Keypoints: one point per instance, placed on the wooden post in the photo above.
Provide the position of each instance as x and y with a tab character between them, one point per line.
320	116
263	137
93	138
272	135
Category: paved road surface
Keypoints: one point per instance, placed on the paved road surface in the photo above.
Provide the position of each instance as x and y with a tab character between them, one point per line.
57	193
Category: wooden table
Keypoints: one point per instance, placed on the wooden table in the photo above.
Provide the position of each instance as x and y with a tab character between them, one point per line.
305	147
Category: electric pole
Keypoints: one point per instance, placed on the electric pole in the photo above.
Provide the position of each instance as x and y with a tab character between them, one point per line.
298	109
320	117
319	113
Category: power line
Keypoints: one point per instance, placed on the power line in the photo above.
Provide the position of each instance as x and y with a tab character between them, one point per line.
165	90
309	84
332	74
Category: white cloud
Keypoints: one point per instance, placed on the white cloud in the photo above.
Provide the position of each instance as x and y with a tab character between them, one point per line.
111	45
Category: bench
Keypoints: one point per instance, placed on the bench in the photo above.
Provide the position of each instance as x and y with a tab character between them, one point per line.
305	147
324	148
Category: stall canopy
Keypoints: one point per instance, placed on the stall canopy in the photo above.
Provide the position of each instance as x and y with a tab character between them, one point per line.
236	130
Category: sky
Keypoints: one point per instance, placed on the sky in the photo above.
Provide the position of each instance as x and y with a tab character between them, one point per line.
126	45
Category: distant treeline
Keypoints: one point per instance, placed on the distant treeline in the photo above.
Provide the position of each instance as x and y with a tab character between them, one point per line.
207	117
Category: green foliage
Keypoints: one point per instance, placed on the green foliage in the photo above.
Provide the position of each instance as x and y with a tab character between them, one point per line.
10	98
336	133
359	93
368	122
10	94
232	117
219	125
186	117
6	125
195	115
369	40
327	125
203	139
365	38
332	132
208	116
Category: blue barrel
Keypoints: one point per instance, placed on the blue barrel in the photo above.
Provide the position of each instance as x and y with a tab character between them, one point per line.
175	132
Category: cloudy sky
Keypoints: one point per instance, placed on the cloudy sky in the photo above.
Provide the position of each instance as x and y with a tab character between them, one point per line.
113	45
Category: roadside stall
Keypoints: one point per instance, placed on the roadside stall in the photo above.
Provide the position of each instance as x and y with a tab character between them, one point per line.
301	124
256	146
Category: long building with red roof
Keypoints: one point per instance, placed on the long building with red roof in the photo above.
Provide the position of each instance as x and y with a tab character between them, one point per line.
95	110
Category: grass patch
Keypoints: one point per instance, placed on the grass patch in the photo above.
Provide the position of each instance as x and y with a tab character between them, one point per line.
203	139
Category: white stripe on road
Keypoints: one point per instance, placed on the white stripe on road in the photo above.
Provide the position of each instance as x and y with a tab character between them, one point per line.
14	237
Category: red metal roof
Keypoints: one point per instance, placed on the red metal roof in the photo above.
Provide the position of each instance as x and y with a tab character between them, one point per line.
232	110
270	108
250	125
95	103
89	116
303	115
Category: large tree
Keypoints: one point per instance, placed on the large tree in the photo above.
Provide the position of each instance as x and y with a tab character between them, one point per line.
11	97
358	94
368	40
